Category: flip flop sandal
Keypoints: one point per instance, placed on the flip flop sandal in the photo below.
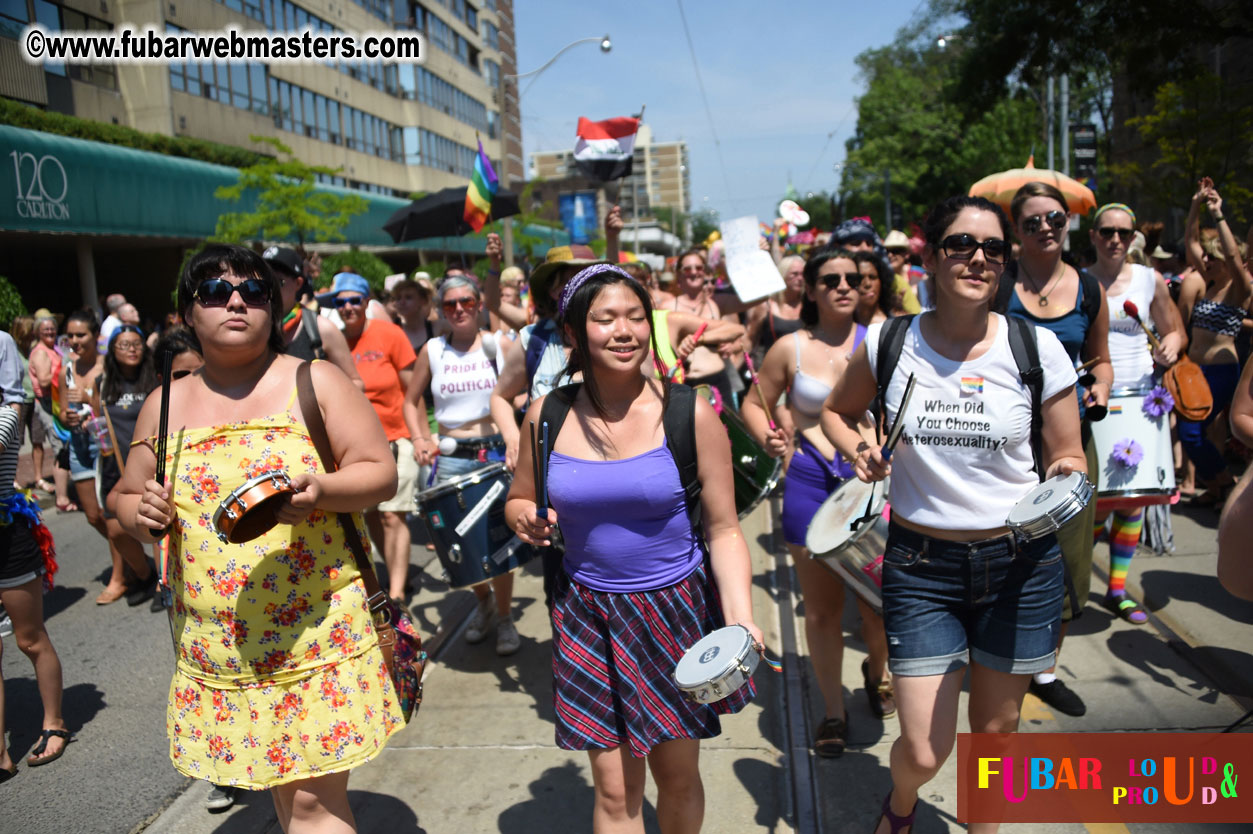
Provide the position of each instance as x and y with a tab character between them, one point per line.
67	507
1127	608
44	736
6	775
43	486
895	822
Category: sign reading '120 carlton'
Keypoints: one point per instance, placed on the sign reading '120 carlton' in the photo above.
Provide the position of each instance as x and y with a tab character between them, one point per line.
41	186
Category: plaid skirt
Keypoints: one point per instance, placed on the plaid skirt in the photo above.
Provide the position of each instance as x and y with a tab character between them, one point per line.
613	660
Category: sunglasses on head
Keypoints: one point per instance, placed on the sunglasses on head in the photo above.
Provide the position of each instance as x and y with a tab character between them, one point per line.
179	374
468	303
963	247
350	301
831	280
217	292
1108	232
1055	218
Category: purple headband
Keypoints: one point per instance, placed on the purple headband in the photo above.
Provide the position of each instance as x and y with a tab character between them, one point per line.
572	286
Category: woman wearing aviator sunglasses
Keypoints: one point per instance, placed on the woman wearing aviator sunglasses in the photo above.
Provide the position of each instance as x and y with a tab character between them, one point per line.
461	369
958	589
275	649
806	364
1047	291
1113	227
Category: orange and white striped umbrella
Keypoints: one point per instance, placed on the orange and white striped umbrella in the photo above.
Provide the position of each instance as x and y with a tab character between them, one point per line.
1001	188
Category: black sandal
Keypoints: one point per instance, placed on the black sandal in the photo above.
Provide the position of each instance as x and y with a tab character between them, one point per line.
6	775
831	738
44	736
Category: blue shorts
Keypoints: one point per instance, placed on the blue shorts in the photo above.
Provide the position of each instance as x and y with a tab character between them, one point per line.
810	479
83	453
997	602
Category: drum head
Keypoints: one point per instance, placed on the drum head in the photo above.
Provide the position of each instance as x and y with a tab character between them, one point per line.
831	526
458	483
1052	499
712	656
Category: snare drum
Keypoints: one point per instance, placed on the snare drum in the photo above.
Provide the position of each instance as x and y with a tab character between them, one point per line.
465	519
717	665
756	473
855	555
1152	480
248	512
1047	507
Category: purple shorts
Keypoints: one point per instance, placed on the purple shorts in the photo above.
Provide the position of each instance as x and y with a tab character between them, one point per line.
810	479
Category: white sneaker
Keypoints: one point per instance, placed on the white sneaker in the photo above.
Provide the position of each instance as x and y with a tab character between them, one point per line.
482	620
6	625
507	640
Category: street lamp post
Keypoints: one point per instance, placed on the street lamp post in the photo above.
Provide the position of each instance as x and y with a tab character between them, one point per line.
605	46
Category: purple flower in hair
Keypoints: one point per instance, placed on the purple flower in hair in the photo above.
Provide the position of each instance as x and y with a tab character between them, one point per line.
572	286
1158	403
1127	453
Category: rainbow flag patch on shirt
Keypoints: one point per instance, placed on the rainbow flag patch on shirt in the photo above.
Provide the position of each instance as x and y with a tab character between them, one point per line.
972	385
1115	409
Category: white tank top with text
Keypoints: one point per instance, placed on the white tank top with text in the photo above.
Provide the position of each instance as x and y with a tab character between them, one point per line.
461	383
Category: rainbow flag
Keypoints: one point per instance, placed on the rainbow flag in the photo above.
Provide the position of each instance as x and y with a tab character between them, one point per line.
479	193
972	385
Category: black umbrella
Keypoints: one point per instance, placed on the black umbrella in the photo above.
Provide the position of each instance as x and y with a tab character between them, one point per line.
442	214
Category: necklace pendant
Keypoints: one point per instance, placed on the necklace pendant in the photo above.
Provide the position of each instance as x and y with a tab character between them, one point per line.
1044	302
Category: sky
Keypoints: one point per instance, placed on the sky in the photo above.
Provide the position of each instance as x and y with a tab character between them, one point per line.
779	78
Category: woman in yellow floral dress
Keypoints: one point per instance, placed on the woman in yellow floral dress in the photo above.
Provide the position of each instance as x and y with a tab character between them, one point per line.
278	683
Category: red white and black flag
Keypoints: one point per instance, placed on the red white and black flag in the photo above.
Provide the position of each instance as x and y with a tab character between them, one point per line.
603	150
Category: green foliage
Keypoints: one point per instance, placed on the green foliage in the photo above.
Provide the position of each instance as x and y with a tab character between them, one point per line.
703	224
11	305
288	202
820	209
909	123
435	269
369	266
25	116
1198	127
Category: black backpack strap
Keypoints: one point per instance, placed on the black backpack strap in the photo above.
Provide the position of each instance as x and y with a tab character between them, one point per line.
1026	353
536	342
554	410
891	342
1091	304
309	321
679	424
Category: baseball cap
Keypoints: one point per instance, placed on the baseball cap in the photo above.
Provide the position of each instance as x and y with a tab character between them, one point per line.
285	258
345	282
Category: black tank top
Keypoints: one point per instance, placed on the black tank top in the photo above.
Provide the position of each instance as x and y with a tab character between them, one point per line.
775	328
303	347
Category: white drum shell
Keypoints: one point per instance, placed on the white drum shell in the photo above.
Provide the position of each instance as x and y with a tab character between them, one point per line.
1152	476
717	665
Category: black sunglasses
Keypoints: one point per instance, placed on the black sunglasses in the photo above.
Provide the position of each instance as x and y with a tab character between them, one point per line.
217	292
1108	232
832	279
350	301
963	247
1055	218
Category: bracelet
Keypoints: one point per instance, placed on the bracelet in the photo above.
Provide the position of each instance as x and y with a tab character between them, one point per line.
1218	218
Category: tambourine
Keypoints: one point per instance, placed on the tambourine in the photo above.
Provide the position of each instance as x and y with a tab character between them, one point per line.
248	512
1047	507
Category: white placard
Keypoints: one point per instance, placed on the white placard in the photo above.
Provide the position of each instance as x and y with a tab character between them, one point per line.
751	269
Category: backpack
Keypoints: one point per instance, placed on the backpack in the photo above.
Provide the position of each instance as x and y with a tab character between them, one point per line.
309	321
1022	344
679	425
537	341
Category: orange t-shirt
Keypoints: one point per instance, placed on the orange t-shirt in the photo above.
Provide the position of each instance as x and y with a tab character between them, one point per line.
380	354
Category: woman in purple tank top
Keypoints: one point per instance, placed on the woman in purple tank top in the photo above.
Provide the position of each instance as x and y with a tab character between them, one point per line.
639	585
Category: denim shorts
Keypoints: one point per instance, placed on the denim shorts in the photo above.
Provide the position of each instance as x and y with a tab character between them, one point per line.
997	602
83	453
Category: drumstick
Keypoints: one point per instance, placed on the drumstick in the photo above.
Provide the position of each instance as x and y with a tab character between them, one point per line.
1130	308
541	510
163	424
543	476
1089	363
748	360
700	331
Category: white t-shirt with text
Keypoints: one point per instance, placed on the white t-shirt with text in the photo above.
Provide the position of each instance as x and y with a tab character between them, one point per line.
964	457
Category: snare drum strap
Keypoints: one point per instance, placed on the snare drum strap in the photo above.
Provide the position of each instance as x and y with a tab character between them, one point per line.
312	414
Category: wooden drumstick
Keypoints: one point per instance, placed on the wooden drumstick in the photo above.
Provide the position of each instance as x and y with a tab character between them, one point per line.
163	425
1130	308
1089	363
748	360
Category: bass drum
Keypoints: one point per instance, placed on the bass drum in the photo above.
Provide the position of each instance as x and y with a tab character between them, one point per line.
465	519
855	553
1151	480
756	473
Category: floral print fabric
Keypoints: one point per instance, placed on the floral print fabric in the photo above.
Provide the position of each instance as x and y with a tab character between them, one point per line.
278	676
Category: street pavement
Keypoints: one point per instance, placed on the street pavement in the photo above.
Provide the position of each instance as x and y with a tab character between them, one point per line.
480	756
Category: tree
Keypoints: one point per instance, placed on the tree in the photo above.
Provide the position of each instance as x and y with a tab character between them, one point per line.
288	202
369	266
1198	127
11	305
820	205
910	129
703	224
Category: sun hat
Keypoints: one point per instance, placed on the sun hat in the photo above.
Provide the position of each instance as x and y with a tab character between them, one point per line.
1161	254
345	282
560	256
896	240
